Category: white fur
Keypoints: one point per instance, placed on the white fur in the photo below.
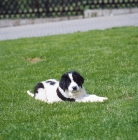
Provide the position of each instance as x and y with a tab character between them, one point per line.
72	84
49	94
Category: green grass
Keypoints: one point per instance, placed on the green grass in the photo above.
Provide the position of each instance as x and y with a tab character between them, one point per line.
107	59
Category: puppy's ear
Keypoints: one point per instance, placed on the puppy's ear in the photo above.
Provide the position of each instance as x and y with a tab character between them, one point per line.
78	78
81	80
63	82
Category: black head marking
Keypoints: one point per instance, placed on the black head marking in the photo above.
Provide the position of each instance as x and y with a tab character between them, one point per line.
64	81
77	78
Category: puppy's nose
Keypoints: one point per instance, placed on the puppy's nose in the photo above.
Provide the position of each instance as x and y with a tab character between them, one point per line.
74	88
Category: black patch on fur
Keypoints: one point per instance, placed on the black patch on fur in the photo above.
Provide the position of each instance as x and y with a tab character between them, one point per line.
51	82
39	85
64	81
64	98
77	78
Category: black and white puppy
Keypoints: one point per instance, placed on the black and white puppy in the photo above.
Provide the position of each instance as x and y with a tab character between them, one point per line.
69	88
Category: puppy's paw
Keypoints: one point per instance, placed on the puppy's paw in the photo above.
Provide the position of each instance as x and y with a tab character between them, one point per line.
102	99
105	98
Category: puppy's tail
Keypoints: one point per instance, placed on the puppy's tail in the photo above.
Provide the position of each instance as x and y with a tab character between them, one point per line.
29	93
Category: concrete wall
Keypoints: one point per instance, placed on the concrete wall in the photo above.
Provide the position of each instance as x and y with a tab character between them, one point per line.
87	14
108	12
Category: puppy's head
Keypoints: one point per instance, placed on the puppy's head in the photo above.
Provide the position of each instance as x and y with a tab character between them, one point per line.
71	81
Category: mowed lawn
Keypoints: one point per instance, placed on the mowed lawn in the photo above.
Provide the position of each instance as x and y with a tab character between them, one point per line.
107	59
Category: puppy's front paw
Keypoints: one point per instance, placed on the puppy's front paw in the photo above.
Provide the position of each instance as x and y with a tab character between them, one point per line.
102	99
105	98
